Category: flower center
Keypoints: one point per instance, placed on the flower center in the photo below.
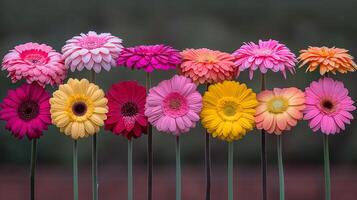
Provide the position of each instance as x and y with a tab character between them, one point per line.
175	105
28	110
129	109
277	105
79	108
207	58
35	57
92	42
228	108
327	106
263	52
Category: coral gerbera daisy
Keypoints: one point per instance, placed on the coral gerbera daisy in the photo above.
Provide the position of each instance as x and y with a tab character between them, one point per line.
26	111
150	57
126	102
207	66
327	59
173	105
92	51
265	55
35	63
78	108
228	110
279	109
328	106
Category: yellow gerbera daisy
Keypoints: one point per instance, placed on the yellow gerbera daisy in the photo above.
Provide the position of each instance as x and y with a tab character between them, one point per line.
228	110
78	108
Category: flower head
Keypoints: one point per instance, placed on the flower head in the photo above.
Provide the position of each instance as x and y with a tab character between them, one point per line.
207	66
328	106
265	55
279	109
92	51
327	59
78	108
26	111
126	102
228	110
173	105
35	63
149	58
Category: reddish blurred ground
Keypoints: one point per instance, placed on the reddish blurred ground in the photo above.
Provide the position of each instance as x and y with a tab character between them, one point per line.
303	183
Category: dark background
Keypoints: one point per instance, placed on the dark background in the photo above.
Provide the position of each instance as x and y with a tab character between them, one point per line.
223	25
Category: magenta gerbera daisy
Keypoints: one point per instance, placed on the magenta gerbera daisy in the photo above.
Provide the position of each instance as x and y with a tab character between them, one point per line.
150	57
328	106
126	102
26	111
265	55
92	51
174	105
35	63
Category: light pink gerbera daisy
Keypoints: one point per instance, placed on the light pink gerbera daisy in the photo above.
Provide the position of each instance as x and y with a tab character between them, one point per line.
35	63
174	105
150	57
263	56
92	51
328	106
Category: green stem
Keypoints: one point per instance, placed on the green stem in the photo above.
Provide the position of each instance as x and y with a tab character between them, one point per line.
230	170
263	152
149	146
208	161
178	168
327	168
33	167
94	157
75	170
130	169
281	167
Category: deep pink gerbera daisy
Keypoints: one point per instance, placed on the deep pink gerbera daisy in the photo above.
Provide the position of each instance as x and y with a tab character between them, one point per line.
26	111
92	51
35	63
126	102
328	106
149	58
265	55
174	105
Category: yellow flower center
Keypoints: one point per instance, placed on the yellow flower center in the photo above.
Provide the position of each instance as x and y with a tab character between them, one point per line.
207	58
228	108
277	105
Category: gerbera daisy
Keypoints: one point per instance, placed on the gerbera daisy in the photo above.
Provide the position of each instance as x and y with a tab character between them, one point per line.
26	111
92	51
149	58
126	102
35	63
327	59
173	105
279	109
228	110
207	66
78	108
328	106
265	55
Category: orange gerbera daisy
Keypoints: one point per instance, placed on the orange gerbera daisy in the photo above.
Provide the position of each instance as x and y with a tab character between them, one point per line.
328	59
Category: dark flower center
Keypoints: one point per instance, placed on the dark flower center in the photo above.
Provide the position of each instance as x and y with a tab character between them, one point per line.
28	110
327	104
129	109
79	108
175	104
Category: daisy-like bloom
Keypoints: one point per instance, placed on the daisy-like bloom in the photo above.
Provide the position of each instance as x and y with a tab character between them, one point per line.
126	102
328	106
26	111
207	66
92	51
78	108
35	63
173	105
149	58
279	109
327	60
265	55
228	110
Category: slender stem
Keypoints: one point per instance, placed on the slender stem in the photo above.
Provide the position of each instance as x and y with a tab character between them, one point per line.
263	154
281	167
327	168
130	169
149	146
208	163
94	157
75	170
230	170
33	167
178	168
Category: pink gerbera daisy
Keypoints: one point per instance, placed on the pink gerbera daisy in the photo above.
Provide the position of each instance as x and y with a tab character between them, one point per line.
26	111
328	106
35	63
174	105
126	102
149	58
263	56
92	51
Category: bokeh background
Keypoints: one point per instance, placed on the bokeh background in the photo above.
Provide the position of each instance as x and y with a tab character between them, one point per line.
222	25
